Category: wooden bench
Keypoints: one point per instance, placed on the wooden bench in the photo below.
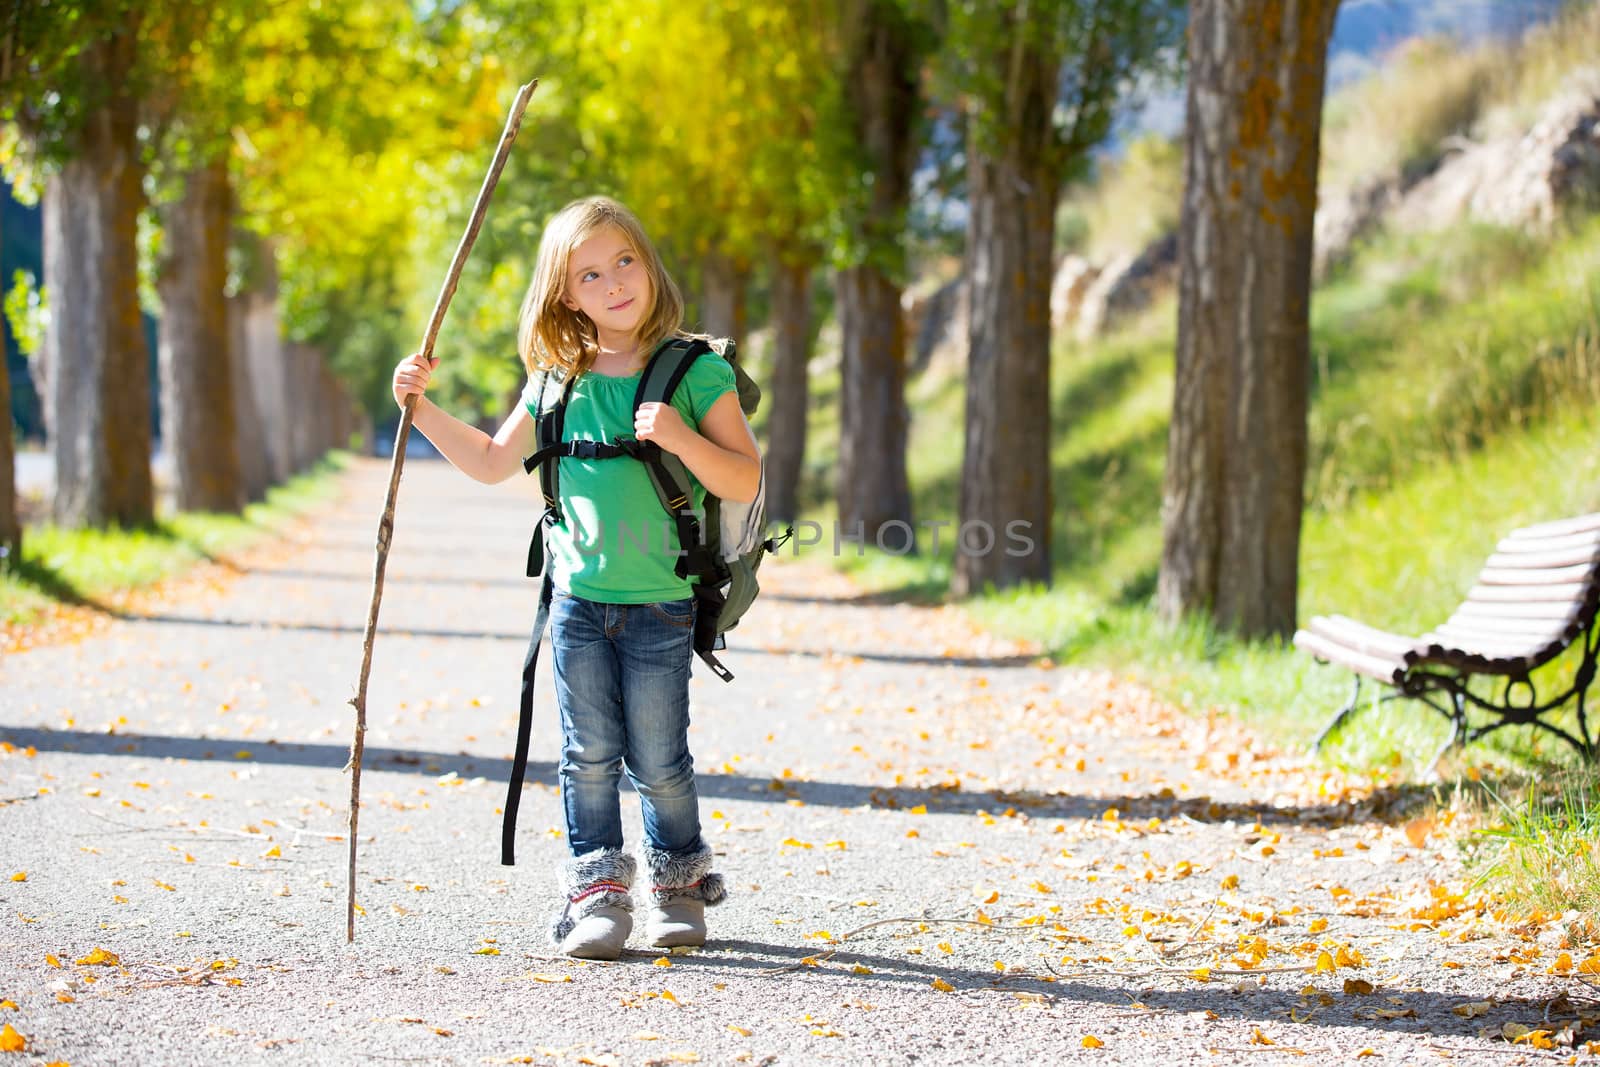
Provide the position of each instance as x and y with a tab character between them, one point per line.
1537	594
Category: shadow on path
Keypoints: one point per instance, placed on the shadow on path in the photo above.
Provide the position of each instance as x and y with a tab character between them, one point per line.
393	578
1218	1002
982	662
1389	804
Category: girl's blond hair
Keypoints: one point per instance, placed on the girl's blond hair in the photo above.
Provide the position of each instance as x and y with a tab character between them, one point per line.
553	337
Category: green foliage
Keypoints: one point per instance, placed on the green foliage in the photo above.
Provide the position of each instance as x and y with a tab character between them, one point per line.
46	90
1093	53
720	151
27	309
354	110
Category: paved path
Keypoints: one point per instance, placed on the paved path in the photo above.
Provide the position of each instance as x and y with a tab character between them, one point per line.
1062	869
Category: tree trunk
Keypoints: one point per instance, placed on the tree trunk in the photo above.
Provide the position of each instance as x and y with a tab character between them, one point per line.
787	404
268	356
250	438
10	525
196	365
1005	531
722	298
1237	450
307	384
873	494
95	352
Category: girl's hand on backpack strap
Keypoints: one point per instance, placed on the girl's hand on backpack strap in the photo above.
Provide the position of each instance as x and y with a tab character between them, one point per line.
411	376
661	423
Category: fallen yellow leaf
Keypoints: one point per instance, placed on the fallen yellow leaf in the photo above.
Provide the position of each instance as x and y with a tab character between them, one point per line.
486	950
942	986
1231	882
1417	831
1090	1041
20	876
741	1031
99	957
1259	1038
1472	1010
861	968
9	1005
1324	964
11	1041
663	962
49	957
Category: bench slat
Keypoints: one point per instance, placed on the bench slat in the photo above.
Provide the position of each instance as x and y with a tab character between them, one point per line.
1550	611
1523	641
1564	557
1534	576
1361	637
1385	670
1569	592
1514	543
1560	527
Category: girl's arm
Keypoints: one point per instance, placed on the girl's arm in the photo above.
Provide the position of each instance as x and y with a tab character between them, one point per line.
723	455
470	450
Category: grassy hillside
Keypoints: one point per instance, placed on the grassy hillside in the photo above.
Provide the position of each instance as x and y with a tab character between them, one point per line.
1447	371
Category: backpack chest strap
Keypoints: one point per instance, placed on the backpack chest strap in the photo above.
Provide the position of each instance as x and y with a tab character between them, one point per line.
622	446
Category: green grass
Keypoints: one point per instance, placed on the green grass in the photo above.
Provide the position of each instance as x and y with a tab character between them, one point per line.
1541	845
84	566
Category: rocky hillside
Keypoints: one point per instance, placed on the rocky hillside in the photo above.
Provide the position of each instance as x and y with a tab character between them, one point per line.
1503	133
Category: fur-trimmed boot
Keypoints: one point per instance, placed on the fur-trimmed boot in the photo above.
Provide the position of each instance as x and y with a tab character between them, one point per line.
598	916
680	888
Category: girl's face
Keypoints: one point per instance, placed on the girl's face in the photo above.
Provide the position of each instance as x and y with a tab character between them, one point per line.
607	281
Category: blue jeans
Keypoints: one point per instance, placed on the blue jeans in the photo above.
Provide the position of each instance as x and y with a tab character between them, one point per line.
622	681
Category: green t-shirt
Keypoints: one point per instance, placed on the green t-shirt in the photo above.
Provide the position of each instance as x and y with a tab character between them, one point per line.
616	544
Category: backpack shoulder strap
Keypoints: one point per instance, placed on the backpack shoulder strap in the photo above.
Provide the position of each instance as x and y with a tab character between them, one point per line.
670	478
549	427
666	370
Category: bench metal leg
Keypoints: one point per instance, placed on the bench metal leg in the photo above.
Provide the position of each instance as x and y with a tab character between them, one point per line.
1339	716
1458	723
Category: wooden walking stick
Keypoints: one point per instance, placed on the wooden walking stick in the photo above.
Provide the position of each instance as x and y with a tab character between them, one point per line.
386	524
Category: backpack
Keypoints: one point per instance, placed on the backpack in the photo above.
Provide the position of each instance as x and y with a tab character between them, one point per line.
722	554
